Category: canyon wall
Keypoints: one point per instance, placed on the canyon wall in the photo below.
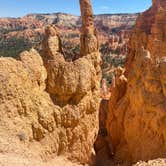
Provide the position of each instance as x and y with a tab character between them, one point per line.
18	34
137	114
33	21
48	106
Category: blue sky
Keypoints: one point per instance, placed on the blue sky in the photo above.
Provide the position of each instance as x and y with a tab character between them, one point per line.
16	8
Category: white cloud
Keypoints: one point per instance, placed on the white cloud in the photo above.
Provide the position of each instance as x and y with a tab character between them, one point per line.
104	7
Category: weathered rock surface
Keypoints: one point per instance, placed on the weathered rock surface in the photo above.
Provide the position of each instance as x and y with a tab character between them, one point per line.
157	162
137	116
50	107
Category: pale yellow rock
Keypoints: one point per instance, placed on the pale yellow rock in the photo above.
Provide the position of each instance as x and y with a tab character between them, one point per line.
50	107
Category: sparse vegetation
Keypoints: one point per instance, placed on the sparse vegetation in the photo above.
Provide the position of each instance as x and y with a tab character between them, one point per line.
11	47
21	136
111	59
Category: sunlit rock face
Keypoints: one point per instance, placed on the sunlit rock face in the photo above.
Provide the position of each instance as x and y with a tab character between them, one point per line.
137	115
48	106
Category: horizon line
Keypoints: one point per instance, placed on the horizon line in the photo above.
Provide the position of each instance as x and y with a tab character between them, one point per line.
52	13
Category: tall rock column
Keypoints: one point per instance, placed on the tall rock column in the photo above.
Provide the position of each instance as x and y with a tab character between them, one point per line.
89	41
52	106
74	86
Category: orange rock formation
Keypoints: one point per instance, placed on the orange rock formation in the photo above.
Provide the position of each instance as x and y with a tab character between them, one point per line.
137	115
50	108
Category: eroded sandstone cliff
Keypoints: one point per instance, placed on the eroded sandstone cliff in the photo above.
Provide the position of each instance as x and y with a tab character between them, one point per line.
48	106
137	115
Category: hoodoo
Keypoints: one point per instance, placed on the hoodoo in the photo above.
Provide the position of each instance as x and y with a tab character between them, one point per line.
89	41
50	107
137	118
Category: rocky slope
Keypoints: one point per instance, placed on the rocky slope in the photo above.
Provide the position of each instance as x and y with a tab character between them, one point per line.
49	107
137	115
